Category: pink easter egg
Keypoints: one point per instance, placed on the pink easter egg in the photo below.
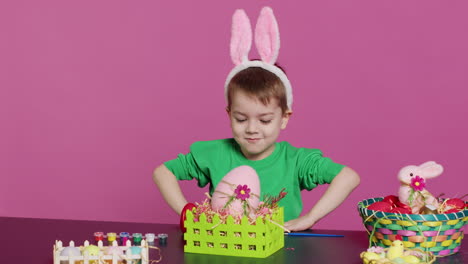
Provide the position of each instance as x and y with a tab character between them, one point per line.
117	250
243	184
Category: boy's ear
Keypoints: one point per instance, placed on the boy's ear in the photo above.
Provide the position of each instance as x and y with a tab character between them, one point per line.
285	119
228	111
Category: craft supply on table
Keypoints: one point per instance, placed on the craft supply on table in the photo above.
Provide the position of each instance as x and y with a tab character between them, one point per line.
150	237
162	239
136	239
311	234
124	236
111	237
92	254
98	236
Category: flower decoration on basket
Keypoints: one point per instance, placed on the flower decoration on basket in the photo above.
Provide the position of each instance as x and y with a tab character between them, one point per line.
242	192
417	186
413	182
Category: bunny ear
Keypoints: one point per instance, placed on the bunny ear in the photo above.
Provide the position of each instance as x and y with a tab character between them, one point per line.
241	37
267	36
431	169
427	164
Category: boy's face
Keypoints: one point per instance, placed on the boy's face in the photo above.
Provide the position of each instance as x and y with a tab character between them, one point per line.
256	126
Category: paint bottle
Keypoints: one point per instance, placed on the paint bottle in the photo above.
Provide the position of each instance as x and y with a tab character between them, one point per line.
98	236
150	237
136	239
162	239
111	237
124	236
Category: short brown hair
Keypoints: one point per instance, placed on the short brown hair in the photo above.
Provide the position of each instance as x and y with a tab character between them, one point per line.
259	83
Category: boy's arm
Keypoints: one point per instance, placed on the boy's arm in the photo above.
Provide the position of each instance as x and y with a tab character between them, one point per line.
340	187
169	188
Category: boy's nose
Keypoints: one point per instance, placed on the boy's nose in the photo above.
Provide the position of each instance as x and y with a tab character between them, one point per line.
251	127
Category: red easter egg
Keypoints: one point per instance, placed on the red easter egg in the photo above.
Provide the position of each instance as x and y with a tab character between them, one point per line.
392	199
403	205
453	210
380	206
455	203
183	216
401	210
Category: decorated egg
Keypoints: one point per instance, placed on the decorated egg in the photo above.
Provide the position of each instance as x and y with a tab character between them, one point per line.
71	252
92	250
114	250
238	192
135	250
453	205
391	199
368	256
380	206
400	210
411	259
398	261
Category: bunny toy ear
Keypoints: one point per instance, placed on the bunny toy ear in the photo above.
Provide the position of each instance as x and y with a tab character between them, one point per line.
241	37
267	36
431	169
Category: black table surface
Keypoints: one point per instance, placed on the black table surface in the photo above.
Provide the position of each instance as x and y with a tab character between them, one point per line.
30	240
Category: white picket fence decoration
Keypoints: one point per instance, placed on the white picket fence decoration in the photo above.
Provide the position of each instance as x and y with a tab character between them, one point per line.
102	258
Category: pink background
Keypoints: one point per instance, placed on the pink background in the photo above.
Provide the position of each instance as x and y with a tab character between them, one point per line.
95	94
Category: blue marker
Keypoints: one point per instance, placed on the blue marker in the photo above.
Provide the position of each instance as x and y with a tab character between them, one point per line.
312	235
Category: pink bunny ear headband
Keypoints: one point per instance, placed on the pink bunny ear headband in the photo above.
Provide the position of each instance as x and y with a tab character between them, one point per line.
267	42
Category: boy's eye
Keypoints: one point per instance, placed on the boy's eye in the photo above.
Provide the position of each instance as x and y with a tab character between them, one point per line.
240	120
265	121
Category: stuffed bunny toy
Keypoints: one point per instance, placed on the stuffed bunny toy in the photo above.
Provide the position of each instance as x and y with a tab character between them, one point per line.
413	181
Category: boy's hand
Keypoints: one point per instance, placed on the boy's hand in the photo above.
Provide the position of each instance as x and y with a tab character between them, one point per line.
169	188
299	224
336	193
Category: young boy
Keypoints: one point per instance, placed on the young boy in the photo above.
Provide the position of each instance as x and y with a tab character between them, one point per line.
259	97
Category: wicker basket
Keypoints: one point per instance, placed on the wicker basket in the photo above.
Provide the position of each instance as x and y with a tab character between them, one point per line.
440	234
257	240
427	258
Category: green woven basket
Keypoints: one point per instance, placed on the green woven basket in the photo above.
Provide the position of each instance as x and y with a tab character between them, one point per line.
441	234
258	240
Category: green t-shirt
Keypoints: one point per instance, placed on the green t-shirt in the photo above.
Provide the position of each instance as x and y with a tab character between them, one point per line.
287	167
